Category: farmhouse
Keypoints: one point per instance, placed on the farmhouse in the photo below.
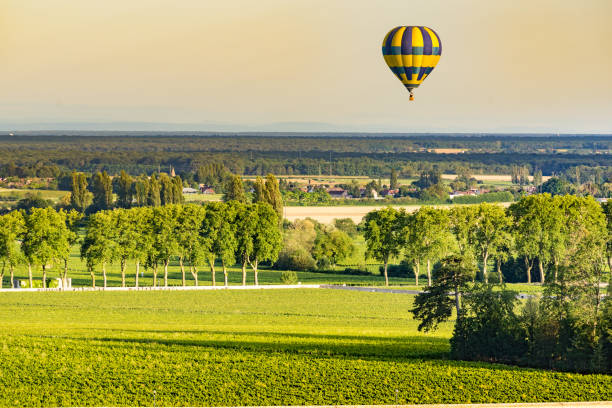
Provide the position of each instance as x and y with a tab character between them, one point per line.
204	189
337	192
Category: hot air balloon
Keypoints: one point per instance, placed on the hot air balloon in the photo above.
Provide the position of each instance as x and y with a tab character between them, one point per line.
412	52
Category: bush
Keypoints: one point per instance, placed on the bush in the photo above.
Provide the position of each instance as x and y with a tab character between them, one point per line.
356	271
289	277
297	259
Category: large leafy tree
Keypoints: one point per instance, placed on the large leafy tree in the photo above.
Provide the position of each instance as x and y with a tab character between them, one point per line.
245	222
383	235
538	225
12	227
45	239
99	244
189	242
219	236
491	233
333	245
267	238
143	238
431	235
164	244
125	238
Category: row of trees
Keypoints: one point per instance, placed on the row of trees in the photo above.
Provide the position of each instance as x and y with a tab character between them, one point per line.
147	237
541	230
194	235
158	189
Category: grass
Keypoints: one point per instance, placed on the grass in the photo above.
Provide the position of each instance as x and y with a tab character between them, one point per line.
230	348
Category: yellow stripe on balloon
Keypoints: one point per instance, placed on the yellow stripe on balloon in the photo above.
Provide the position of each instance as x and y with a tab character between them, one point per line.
396	41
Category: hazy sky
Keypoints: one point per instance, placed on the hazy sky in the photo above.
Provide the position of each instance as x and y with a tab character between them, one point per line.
511	65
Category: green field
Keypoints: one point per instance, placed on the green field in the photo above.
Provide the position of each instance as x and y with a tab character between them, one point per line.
233	348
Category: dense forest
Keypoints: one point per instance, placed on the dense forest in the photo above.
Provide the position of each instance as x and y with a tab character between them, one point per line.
373	155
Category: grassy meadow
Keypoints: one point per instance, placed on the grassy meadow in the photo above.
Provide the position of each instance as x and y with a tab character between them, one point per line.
230	348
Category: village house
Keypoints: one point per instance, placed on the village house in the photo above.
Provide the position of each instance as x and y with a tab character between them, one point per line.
337	192
204	189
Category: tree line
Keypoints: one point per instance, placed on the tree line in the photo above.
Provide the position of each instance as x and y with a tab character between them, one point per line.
145	237
367	155
544	232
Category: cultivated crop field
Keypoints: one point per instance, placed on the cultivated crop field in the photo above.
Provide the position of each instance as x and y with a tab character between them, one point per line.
246	348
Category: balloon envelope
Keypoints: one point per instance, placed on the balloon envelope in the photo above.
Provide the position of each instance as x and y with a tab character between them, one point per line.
412	52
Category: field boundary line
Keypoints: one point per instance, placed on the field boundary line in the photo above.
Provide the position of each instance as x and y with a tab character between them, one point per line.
483	405
163	288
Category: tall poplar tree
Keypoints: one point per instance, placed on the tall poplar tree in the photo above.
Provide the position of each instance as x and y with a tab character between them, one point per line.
234	190
102	191
80	197
124	190
393	184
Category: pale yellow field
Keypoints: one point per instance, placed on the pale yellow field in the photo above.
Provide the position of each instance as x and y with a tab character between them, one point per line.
326	215
490	177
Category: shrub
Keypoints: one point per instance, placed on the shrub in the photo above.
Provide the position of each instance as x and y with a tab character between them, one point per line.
289	277
297	259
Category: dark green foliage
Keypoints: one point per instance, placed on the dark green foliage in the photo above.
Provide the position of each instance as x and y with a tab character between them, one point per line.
80	198
428	179
123	187
489	329
102	192
556	186
405	269
435	305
